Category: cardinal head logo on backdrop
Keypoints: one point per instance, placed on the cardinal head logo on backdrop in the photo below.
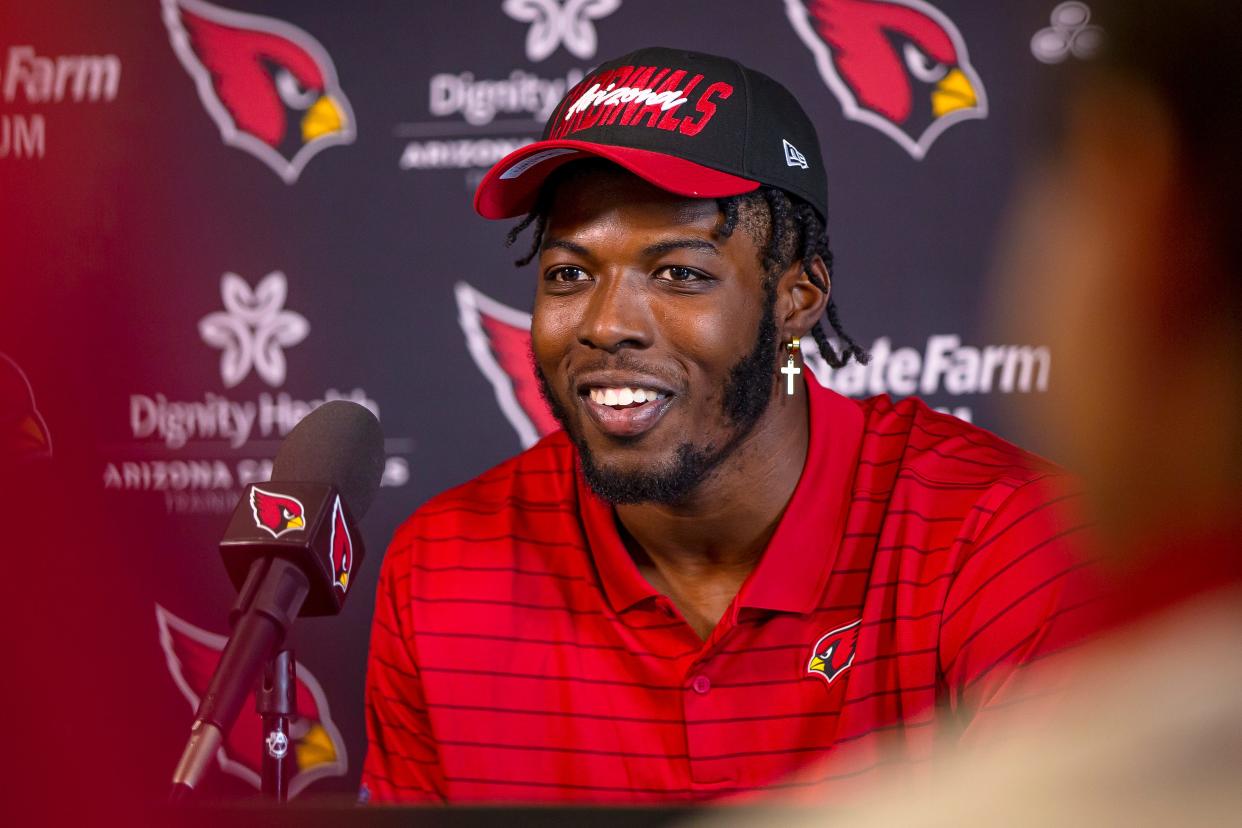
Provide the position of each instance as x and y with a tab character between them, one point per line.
498	338
269	86
192	653
898	65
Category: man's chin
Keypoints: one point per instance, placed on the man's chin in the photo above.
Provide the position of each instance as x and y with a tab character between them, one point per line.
670	482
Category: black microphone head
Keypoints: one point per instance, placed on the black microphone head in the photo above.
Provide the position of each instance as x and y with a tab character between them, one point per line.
339	443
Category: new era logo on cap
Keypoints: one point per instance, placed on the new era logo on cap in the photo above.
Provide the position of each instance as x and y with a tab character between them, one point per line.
793	158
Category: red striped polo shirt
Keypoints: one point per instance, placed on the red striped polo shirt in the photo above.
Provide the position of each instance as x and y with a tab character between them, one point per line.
518	655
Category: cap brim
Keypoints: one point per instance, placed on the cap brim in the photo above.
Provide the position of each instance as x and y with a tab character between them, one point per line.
511	186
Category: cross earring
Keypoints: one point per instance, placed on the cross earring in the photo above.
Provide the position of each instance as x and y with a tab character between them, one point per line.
791	368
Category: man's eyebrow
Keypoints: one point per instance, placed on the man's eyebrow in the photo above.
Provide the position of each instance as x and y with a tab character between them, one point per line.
669	245
564	244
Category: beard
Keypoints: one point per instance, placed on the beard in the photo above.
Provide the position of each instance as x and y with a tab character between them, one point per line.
747	394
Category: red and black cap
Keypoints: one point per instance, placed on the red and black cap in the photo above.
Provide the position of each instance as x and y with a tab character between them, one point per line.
696	125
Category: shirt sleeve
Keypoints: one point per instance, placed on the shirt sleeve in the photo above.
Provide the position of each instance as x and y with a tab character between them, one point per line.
1026	593
403	763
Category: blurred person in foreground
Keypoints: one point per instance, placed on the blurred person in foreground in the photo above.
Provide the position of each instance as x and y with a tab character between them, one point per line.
1129	254
720	570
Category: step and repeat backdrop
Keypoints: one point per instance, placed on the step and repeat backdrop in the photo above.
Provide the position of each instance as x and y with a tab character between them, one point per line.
218	215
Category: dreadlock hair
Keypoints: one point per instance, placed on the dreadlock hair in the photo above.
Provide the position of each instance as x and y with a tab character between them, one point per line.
794	232
786	227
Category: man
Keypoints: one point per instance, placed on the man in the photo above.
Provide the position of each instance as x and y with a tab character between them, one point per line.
719	571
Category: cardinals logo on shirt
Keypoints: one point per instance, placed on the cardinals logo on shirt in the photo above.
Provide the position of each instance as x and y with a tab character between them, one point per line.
898	65
269	86
833	654
498	338
277	513
341	555
319	751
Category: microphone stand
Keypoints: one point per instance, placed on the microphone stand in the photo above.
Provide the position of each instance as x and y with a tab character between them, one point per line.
276	701
268	602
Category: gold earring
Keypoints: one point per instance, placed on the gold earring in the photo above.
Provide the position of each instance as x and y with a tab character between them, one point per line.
791	368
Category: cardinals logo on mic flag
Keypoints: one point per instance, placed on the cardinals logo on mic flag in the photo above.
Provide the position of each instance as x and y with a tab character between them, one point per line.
341	553
897	65
192	654
269	86
277	513
833	654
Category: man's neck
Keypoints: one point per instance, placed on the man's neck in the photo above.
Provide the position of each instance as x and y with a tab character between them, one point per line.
700	550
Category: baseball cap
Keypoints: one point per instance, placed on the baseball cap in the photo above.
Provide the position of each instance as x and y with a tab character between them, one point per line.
693	124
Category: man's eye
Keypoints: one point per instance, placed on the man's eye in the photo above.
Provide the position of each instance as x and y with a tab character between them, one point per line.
568	274
677	273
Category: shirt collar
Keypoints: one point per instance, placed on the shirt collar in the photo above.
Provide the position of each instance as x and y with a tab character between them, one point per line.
794	569
623	584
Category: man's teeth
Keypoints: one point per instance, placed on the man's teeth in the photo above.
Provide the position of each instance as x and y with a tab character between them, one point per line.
625	396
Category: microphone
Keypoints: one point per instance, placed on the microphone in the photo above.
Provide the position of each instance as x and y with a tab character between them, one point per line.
291	548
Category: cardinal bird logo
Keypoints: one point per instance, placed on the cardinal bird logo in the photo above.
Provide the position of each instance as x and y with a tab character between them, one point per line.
498	338
24	435
898	65
341	555
834	652
277	513
319	751
269	86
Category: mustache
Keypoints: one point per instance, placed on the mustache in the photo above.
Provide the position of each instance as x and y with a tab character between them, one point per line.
622	361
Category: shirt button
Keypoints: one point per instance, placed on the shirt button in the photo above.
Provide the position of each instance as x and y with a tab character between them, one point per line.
701	684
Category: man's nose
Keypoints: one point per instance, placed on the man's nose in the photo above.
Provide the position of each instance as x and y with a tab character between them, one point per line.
617	314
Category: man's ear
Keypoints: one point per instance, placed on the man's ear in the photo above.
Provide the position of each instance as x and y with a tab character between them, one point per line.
800	303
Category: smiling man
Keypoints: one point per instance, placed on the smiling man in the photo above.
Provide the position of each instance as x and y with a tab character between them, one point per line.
719	571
